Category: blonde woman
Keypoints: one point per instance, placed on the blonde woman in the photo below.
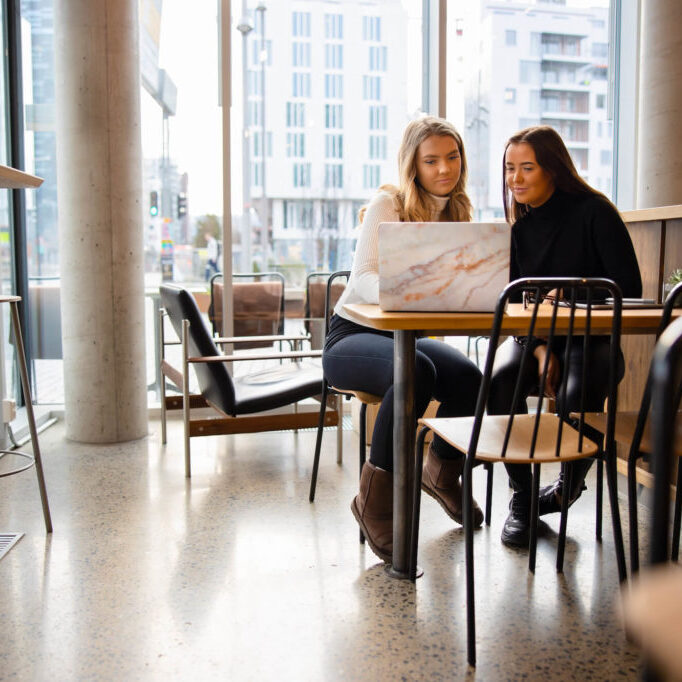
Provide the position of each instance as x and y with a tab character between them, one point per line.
432	171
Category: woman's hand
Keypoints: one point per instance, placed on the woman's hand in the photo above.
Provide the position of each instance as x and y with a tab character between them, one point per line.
552	380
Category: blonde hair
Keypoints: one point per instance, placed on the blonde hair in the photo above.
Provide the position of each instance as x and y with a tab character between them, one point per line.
411	200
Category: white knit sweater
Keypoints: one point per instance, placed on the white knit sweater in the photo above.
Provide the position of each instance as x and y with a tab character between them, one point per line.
363	285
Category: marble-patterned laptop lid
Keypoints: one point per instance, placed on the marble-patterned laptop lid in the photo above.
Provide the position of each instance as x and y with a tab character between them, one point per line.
455	267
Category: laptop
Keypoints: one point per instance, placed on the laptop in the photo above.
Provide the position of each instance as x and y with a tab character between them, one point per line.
442	267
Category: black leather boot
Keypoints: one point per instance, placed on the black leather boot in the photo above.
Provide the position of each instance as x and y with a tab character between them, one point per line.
549	501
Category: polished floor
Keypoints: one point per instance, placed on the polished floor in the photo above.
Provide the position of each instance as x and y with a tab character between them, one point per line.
235	576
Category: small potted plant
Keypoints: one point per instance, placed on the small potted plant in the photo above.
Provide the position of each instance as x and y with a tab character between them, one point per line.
674	279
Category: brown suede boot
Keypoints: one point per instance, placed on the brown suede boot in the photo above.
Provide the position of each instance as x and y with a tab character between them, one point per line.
440	479
373	509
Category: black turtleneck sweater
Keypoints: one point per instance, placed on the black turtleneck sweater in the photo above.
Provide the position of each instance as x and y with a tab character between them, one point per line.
573	235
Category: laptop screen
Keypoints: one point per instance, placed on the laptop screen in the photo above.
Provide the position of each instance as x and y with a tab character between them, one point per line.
439	267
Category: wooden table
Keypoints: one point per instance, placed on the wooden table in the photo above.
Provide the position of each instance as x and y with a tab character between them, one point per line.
407	326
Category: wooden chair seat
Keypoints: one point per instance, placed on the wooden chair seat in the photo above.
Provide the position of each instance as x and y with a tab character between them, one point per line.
366	398
625	429
457	432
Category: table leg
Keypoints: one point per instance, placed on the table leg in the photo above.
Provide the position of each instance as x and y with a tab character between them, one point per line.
23	371
404	431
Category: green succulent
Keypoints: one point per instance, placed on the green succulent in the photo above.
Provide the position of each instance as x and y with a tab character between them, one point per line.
675	277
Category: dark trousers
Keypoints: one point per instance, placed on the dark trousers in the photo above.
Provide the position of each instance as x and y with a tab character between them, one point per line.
505	372
364	362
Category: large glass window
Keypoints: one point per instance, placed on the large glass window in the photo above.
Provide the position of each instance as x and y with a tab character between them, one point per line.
528	65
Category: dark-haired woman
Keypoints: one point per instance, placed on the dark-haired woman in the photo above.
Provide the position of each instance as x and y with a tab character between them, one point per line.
562	227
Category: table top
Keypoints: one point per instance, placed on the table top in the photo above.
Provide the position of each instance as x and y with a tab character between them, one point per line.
516	319
11	178
9	299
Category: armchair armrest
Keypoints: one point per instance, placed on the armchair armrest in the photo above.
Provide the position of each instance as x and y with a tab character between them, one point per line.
264	356
268	337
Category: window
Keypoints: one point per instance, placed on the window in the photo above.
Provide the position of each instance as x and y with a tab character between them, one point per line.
295	115
377	58
255	110
600	101
333	86
371	28
300	84
377	117
301	175
333	146
257	174
330	215
333	26
295	144
333	175
300	24
255	82
605	157
298	214
333	115
256	56
510	38
600	50
534	101
529	72
377	147
333	56
510	95
370	176
256	140
371	87
300	54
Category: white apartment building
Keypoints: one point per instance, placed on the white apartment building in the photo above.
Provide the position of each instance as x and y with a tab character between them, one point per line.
335	108
535	63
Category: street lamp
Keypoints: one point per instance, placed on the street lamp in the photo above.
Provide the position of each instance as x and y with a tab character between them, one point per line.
261	8
245	27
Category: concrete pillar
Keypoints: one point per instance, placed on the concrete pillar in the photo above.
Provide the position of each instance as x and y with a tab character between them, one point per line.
659	165
99	161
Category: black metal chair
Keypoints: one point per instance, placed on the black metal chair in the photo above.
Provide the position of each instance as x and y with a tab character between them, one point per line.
364	398
539	436
315	307
239	400
666	388
633	430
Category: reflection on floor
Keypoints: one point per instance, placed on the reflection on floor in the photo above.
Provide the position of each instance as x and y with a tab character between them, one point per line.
234	575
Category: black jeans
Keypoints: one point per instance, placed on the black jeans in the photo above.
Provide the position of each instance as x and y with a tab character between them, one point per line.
506	369
364	362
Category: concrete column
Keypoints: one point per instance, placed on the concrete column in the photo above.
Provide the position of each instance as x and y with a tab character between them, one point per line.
659	174
100	219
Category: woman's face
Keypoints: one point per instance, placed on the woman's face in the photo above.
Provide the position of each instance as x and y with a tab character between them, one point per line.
438	164
527	181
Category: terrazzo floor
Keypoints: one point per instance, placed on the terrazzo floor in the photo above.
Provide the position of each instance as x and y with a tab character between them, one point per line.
234	575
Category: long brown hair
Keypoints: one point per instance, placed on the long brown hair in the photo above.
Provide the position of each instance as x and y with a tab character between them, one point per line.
553	157
411	200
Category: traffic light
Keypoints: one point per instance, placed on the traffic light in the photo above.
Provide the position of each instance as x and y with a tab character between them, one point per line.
182	205
153	204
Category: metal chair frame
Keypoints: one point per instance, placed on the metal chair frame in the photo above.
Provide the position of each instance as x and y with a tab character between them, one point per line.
605	448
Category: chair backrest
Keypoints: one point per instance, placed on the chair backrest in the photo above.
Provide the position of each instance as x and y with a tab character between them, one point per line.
258	300
666	388
318	301
670	303
331	296
576	297
214	380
